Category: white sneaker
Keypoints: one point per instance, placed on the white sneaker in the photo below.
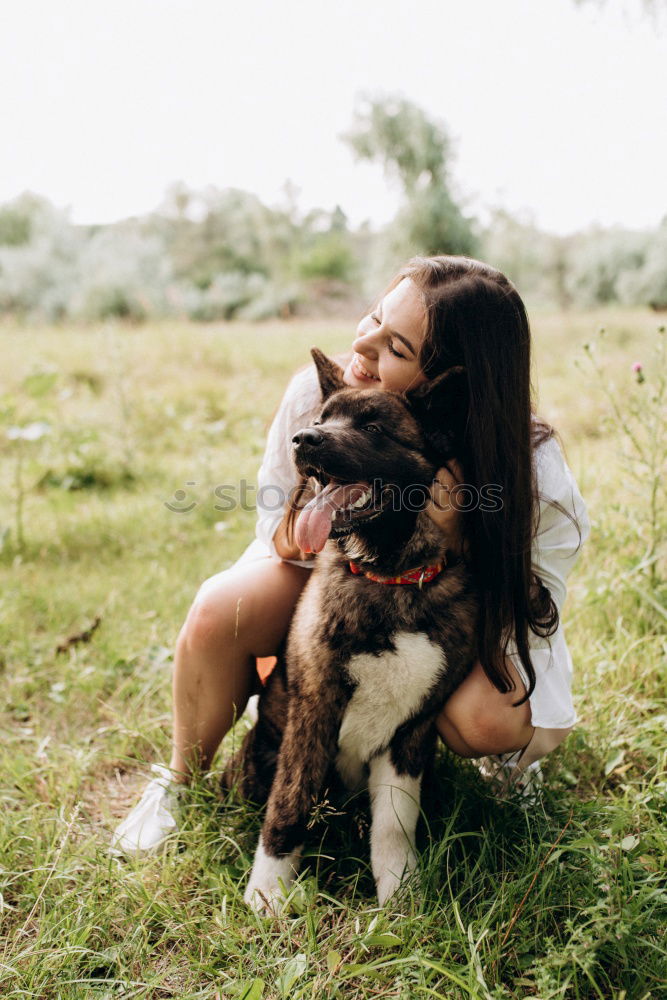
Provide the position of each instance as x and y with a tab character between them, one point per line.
151	822
505	775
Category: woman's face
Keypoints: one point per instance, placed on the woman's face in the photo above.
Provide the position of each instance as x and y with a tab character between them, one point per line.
386	351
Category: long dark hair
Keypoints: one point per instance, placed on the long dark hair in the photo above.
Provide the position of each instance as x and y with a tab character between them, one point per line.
476	318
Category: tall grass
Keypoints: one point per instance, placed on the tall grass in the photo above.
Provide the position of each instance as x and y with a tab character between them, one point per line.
566	900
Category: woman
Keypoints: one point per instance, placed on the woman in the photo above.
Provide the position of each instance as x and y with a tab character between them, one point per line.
437	312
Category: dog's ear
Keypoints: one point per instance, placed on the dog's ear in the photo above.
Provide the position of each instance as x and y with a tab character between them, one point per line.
441	408
328	372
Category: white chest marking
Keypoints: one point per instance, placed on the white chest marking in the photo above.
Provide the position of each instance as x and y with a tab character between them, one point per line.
390	689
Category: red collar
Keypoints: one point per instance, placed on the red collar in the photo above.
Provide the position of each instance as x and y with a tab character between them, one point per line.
420	575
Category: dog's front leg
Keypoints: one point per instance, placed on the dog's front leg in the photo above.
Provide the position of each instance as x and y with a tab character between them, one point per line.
307	749
395	810
395	786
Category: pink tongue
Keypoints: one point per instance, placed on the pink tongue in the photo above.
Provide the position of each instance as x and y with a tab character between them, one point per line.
314	524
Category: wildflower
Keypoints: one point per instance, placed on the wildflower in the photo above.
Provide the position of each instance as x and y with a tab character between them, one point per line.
637	368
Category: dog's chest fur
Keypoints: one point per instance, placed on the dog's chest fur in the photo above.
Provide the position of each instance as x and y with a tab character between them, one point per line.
377	649
388	689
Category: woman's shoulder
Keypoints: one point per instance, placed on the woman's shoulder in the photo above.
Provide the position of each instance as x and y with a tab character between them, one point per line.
303	393
556	483
553	473
548	452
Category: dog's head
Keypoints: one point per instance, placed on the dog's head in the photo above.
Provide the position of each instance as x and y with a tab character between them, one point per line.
375	451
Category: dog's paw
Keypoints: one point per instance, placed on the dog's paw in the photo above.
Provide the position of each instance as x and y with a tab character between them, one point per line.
387	886
268	901
395	874
270	880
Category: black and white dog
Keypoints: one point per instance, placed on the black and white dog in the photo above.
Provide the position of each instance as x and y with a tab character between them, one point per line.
382	635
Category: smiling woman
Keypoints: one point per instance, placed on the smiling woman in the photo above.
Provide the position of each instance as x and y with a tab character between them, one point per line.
438	315
389	340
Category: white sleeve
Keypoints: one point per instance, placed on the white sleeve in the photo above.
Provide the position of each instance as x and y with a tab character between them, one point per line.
555	551
558	538
277	475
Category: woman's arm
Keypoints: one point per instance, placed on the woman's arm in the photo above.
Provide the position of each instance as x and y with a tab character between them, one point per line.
563	524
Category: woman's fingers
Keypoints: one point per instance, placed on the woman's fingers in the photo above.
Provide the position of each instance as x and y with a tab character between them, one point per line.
452	472
443	509
443	492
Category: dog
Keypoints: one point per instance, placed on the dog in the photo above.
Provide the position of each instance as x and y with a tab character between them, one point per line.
383	633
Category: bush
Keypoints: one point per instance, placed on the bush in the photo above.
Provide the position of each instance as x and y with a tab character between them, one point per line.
329	256
15	228
122	274
599	260
40	276
648	284
224	297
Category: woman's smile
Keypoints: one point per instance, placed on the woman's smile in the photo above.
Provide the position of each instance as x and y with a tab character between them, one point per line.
360	369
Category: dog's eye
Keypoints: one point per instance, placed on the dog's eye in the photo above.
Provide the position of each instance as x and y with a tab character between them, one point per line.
316	423
373	428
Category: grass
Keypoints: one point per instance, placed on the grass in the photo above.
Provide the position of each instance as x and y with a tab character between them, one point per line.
567	901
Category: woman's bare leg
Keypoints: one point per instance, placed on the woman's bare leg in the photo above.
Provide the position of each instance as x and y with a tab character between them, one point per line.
238	615
478	720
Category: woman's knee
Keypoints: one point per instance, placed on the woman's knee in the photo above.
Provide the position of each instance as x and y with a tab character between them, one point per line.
487	734
487	720
245	609
213	616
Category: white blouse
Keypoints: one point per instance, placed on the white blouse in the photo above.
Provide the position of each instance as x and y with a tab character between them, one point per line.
555	547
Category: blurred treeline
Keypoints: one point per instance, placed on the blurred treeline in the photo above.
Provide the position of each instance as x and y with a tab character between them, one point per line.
223	254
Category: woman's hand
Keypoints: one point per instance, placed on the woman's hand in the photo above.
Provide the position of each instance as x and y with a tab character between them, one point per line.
284	549
443	509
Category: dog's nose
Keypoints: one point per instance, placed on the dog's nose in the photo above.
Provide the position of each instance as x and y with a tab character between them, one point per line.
309	435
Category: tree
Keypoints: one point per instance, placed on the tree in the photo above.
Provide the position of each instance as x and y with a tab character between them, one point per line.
416	152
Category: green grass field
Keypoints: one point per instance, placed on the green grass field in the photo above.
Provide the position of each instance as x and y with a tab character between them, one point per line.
565	901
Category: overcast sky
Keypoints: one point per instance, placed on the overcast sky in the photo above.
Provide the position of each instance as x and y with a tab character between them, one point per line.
556	110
